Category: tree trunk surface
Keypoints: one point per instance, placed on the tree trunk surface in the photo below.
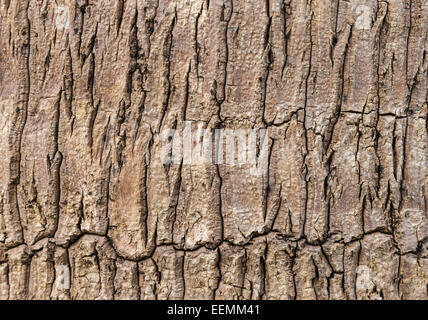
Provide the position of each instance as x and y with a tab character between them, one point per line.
335	205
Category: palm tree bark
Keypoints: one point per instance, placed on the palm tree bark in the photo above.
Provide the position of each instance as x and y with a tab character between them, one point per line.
88	209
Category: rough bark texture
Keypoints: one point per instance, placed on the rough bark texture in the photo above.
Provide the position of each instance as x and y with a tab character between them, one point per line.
88	86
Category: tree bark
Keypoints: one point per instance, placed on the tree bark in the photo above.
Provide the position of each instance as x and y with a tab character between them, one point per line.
89	209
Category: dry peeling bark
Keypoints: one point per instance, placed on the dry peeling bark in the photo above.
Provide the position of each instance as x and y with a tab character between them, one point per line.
88	86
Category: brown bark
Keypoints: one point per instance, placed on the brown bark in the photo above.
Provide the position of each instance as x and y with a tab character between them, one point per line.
89	210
